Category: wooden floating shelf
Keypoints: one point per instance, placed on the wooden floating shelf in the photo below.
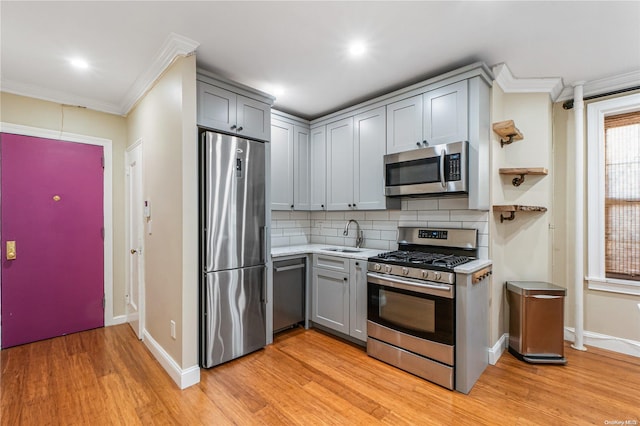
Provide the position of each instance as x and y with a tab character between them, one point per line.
513	208
507	129
522	172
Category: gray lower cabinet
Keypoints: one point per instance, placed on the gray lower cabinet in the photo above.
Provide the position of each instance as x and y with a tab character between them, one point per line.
358	299
330	299
339	295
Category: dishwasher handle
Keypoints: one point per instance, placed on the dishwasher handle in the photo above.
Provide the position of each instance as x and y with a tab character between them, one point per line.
289	268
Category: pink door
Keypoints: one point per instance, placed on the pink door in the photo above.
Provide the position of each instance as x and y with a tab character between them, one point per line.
52	208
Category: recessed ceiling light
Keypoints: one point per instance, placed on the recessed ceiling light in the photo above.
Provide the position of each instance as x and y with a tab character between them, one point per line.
276	91
79	63
357	48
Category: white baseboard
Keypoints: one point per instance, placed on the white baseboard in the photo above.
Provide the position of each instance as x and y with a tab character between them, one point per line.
498	349
120	319
603	341
183	378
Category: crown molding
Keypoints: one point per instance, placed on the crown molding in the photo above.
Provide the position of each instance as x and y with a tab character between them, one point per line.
510	84
174	46
604	85
59	97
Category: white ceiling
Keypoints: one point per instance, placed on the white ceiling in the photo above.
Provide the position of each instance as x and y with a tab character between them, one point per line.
302	46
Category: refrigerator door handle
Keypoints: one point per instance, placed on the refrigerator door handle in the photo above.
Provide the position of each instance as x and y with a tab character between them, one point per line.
264	286
263	245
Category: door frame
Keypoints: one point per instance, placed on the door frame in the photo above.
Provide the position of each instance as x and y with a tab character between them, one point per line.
106	144
127	221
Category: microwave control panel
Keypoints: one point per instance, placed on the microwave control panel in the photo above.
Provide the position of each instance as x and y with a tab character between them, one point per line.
452	167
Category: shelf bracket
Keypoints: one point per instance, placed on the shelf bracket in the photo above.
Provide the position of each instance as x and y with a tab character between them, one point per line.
508	141
512	215
517	181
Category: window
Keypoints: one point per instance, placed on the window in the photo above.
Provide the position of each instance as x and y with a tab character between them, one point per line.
613	149
622	196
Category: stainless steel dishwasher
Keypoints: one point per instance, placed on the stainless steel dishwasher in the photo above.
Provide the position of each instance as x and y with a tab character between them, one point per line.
288	293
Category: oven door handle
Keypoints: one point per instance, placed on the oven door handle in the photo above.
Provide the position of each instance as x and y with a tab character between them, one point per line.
411	285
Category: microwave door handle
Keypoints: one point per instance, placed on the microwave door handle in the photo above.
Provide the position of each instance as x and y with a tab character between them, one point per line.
442	157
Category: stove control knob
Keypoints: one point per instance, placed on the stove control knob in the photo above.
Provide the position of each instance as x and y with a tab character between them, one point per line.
405	271
425	274
437	275
377	267
387	268
432	275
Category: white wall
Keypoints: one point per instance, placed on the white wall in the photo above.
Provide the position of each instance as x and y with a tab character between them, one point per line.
165	120
521	249
610	314
31	112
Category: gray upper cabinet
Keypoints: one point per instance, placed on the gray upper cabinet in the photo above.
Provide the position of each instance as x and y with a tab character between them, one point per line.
229	112
282	157
301	163
446	114
404	125
318	169
340	163
290	163
355	172
368	168
432	118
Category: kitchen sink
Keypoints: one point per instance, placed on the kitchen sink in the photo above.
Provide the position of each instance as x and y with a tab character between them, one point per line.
341	250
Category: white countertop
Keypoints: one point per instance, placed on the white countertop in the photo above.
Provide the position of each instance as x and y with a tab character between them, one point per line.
362	253
473	266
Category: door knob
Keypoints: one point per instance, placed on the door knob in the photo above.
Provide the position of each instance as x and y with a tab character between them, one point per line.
134	251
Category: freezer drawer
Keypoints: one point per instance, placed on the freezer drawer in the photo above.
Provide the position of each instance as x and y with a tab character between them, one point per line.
536	321
234	322
288	293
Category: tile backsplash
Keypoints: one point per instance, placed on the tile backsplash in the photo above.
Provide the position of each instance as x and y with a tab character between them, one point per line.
379	227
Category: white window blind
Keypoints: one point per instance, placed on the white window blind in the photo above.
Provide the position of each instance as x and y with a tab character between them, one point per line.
622	196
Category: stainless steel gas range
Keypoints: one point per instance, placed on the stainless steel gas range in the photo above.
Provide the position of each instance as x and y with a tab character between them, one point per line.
427	313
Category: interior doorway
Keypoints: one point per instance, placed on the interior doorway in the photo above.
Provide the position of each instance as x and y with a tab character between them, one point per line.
135	239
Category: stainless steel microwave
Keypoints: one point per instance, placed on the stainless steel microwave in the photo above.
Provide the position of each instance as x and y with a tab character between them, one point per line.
435	170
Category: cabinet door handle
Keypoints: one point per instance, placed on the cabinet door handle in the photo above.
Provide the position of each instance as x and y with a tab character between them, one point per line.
349	205
322	205
354	205
233	127
418	144
442	177
240	128
345	278
291	206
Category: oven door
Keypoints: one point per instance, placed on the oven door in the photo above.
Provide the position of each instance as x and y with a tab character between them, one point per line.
418	308
434	170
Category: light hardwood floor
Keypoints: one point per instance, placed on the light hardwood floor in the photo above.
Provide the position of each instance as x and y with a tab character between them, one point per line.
106	376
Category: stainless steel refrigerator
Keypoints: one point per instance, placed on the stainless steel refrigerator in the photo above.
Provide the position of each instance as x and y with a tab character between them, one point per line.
233	247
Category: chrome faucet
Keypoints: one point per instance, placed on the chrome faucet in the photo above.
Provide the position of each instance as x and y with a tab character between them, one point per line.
359	235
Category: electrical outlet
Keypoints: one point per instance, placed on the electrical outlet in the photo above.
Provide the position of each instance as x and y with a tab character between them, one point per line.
173	329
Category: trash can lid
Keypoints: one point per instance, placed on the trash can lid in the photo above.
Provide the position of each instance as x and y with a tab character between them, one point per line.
535	287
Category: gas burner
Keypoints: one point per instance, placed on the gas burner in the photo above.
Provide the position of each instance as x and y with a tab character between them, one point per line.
419	259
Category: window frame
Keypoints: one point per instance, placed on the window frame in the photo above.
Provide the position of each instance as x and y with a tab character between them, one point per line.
596	113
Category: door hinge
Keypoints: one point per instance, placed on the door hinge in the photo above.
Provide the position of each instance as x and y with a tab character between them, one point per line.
104	302
102	161
102	232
